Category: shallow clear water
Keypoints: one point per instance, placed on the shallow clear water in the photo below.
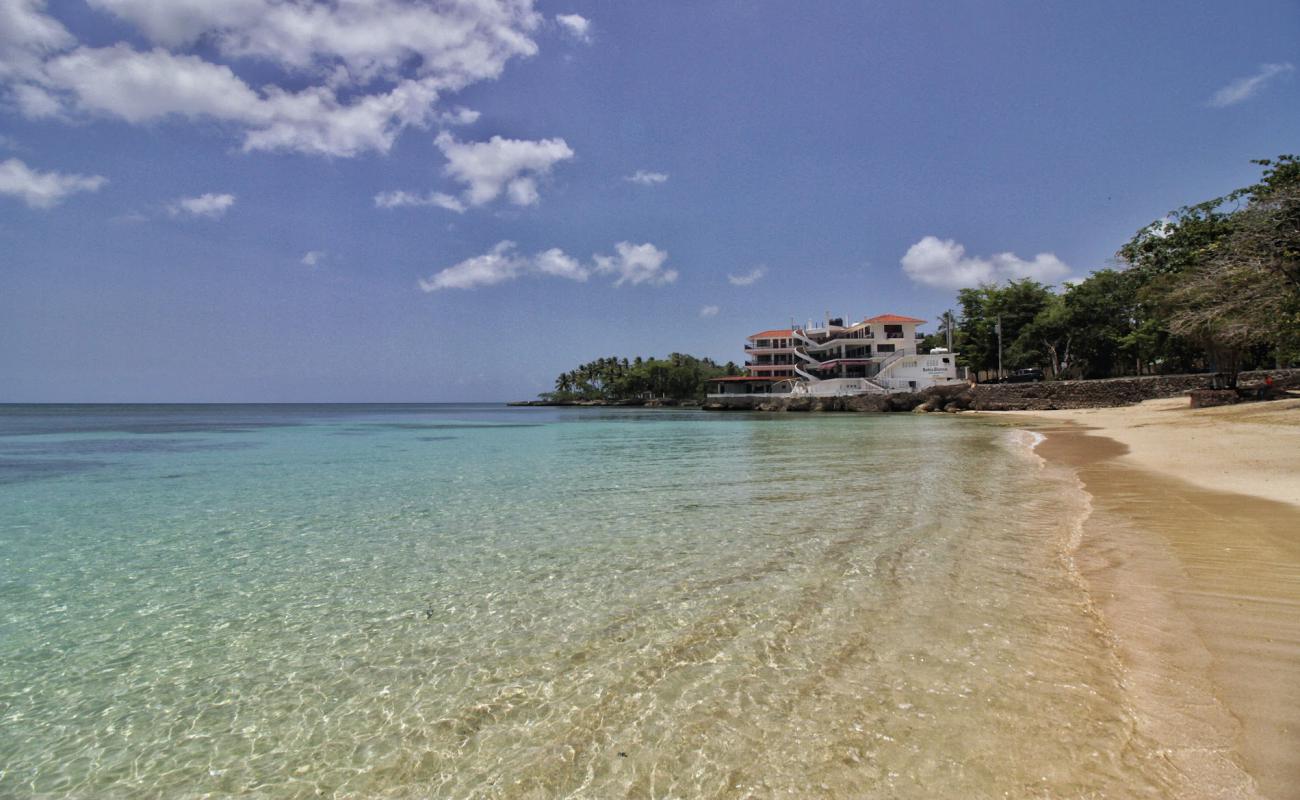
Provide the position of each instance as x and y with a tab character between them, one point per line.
466	601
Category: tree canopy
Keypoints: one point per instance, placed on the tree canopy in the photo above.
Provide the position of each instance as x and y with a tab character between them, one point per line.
1214	285
611	379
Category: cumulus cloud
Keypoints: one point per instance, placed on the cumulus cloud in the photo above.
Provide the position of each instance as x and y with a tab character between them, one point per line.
512	166
345	77
312	258
210	206
503	263
43	189
647	178
27	35
35	103
749	278
399	199
458	116
457	43
575	25
140	87
559	264
944	263
637	264
1243	89
709	311
633	264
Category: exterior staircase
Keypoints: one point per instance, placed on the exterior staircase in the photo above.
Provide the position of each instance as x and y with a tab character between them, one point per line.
885	366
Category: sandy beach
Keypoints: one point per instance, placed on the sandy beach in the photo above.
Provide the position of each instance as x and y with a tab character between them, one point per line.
1192	555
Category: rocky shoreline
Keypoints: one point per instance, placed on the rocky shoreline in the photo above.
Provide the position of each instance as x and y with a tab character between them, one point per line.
1045	396
665	402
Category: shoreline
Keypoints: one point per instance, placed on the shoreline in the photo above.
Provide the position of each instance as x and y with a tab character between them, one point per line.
1192	555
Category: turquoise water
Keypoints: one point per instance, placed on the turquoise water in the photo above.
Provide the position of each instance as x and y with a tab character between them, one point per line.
477	601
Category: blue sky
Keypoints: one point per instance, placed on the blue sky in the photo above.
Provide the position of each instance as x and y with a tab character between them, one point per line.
260	201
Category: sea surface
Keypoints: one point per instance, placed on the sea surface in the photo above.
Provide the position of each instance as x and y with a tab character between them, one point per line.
410	601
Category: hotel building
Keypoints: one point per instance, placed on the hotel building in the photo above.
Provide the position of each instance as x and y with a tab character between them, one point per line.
878	354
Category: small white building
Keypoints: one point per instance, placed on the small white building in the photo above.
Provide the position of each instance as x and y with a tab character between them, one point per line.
876	355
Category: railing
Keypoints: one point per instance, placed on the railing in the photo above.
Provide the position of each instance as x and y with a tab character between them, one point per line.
829	343
808	376
888	363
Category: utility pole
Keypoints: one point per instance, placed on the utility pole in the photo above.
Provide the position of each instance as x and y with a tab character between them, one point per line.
998	328
947	327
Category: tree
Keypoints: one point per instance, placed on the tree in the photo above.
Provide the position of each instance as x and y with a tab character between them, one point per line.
612	379
1227	277
1246	291
1015	305
1051	330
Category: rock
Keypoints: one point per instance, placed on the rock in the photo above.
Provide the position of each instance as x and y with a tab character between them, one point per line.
1206	398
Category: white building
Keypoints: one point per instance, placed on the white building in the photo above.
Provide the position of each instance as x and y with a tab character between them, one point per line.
879	354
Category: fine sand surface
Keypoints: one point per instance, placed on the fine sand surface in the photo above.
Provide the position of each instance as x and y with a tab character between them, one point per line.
1192	555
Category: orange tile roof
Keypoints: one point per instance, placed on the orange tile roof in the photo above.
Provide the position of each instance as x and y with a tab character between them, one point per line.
894	319
772	334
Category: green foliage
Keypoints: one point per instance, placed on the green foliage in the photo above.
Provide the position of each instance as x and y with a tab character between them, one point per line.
678	377
1225	275
1216	284
1016	304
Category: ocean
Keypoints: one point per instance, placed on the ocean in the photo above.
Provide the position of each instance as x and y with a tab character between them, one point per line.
408	601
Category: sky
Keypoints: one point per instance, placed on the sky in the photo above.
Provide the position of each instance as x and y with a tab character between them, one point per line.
285	201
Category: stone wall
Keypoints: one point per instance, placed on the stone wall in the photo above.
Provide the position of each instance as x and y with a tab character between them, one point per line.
1105	393
1007	396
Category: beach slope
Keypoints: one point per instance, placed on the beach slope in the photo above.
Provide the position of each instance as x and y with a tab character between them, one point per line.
1192	555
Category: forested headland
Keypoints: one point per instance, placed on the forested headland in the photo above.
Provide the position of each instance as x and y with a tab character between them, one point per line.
678	378
1212	286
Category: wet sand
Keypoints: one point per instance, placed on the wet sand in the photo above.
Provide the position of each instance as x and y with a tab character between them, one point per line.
1192	556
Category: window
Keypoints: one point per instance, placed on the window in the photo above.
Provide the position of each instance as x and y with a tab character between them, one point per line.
884	348
893	331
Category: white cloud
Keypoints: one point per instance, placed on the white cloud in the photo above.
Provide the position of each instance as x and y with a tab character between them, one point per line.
709	311
399	199
749	278
576	25
210	206
647	178
35	103
634	264
501	165
312	258
360	72
43	189
559	264
145	86
457	43
499	264
1243	89
637	264
944	263
458	116
27	35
